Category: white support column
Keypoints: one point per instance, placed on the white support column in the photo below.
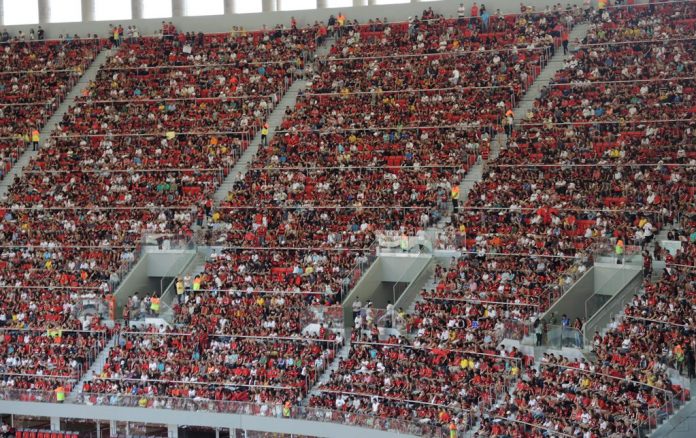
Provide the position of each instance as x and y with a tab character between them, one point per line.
269	5
44	11
229	7
2	12
87	10
55	423
178	8
137	9
321	4
358	3
113	429
172	431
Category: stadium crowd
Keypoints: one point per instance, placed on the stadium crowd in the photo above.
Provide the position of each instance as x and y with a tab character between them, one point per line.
390	123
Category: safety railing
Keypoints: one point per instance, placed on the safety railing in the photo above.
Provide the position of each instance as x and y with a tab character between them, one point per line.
607	290
389	318
168	241
660	414
615	305
275	410
647	418
560	336
528	427
514	329
89	350
314	368
362	264
402	283
330	316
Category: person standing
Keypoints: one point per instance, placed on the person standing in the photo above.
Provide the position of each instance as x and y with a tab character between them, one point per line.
619	251
461	13
564	39
264	135
155	305
690	361
60	393
126	315
647	264
356	306
474	14
187	283
180	289
539	331
35	138
455	196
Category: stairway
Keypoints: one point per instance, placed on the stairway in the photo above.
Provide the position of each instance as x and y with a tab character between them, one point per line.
324	377
52	123
554	64
274	120
430	284
94	370
194	267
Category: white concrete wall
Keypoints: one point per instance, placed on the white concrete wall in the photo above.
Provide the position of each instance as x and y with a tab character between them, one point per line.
402	268
193	418
167	263
223	23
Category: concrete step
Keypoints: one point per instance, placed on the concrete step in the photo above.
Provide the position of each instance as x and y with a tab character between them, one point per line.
95	370
53	121
274	120
342	355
